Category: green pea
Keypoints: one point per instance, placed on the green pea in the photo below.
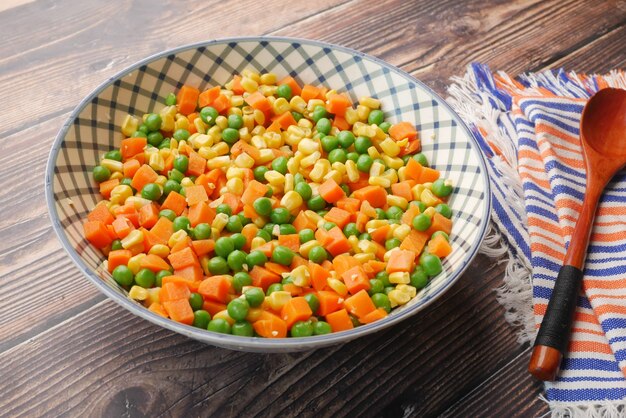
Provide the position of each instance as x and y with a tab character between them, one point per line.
127	182
376	286
322	328
337	155
234	224
421	158
297	116
256	258
441	188
241	279
436	233
101	173
392	243
306	235
362	144
114	155
316	203
196	301
329	143
264	234
269	227
123	275
287	280
165	144
355	321
263	206
422	222
239	240
405	159
394	212
284	91
313	301
181	134
254	296
329	225
274	287
419	278
269	191
181	163
159	277
385	126
236	260
287	229
420	205
219	325
318	254
351	229
242	329
318	113
353	156
280	165
181	222
345	188
431	264
201	318
376	117
153	122
282	255
365	236
139	134
346	139
145	278
175	175
444	209
280	216
380	213
323	125
116	245
383	276
170	100
224	246
155	138
302	329
235	121
171	186
168	213
208	115
304	190
238	309
381	300
322	213
259	173
224	208
201	231
230	135
364	163
151	191
218	265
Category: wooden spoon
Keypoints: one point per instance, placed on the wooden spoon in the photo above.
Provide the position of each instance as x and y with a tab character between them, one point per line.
603	137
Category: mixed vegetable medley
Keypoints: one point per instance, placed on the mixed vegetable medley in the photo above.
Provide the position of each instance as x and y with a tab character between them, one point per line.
265	208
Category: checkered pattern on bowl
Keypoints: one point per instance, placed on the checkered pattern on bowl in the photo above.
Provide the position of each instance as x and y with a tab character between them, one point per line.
94	128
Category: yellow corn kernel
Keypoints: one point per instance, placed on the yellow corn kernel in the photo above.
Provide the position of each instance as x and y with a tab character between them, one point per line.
160	180
364	257
152	295
289	182
306	247
258	142
351	116
370	102
339	166
313	103
310	160
267	91
221	122
278	299
134	263
176	237
417	191
397	298
249	84
376	169
248	120
129	125
251	74
380	134
296	131
354	243
256	242
301	276
308	146
235	186
402	174
430	211
135	237
253	313
307	125
364	129
408	289
393	200
201	127
362	112
221	148
280	106
186	182
167	123
243	160
312	216
320	169
338	286
120	193
236	102
390	175
275	178
399	277
201	140
181	122
376	223
156	162
112	165
117	175
390	147
403	142
402	231
273	139
244	134
165	153
260	222
137	293
224	315
352	171
367	246
293	164
373	152
268	78
259	117
429	198
395	163
160	249
220	221
204	262
291	200
298	104
335	175
379	181
265	156
207	153
233	172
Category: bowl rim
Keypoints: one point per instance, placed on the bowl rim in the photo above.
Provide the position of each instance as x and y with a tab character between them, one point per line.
252	343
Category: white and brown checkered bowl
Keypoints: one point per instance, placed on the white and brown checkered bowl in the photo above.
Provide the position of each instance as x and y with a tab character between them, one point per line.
94	128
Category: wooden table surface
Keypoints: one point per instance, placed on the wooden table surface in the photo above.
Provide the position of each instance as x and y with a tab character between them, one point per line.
67	350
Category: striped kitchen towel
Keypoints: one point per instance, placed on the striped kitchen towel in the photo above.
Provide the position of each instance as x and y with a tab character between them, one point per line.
528	131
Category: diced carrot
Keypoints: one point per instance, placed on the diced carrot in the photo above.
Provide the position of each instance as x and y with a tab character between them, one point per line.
377	266
428	175
249	231
180	280
202	246
402	189
380	250
183	258
233	201
340	123
207	97
329	302
380	233
129	147
118	258
271	326
176	202
295	87
187	99
359	304
274	127
192	126
173	291
362	182
197	164
154	263
258	101
107	186
158	309
309	92
401	261
285	120
339	243
440	223
356	280
349	204
439	246
215	288
101	213
303	222
413	170
373	316
148	215
181	245
163	229
343	263
411	212
195	194
130	167
263	278
337	104
411	148
213	307
276	268
150	239
375	195
291	241
221	103
267	248
361	220
96	232
296	309
255	190
330	191
179	311
319	276
240	147
339	320
293	289
201	213
122	226
236	86
143	176
338	216
415	241
403	130
193	274
298	261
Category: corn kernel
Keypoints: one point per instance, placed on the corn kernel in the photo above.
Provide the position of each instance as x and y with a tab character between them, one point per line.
235	186
365	130
218	162
306	247
167	123
351	116
312	216
408	289
278	299
244	134
260	222
256	242
275	178
112	165
430	211
370	102
379	181
338	286
397	298
251	74
207	153
265	156
156	162
181	123
311	159
289	182
364	257
120	193
402	231
129	125
402	174
399	277
134	263
308	146
320	169
291	200
314	103
176	237
376	223
152	295
339	166
224	315
335	175
362	112
233	172
401	202
352	171
376	169
280	106
220	221
249	84
268	78
160	249
390	147
293	165
117	175
429	198
201	127
186	182
392	162
259	117
254	314
301	276
354	243
221	122
137	293
367	246
306	124
390	175
297	104
273	139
